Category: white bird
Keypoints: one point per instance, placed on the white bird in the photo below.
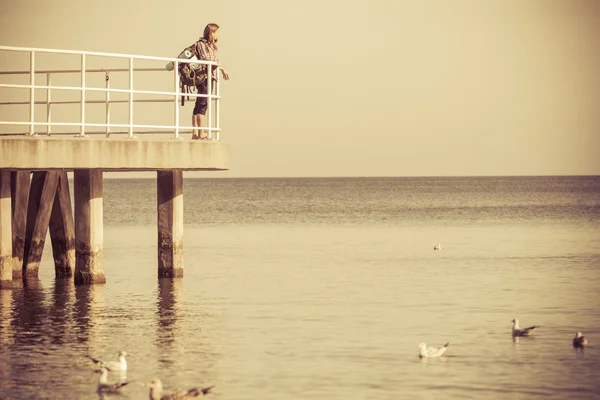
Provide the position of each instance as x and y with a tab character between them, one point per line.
579	340
156	392
428	352
120	365
104	386
437	247
516	331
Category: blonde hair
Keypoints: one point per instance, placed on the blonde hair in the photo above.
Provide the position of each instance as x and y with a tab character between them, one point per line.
208	34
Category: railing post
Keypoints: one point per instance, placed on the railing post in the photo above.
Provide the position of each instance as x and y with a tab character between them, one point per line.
107	106
176	91
130	97
32	92
82	129
209	101
218	108
48	104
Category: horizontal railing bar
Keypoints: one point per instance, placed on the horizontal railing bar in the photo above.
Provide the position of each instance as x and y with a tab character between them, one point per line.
77	71
118	132
99	54
21	103
76	134
101	125
87	102
104	90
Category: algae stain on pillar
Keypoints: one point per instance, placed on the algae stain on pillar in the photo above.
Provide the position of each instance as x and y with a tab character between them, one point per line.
62	230
19	184
6	252
41	200
89	228
169	196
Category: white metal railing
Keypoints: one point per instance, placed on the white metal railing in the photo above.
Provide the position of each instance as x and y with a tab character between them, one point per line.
213	124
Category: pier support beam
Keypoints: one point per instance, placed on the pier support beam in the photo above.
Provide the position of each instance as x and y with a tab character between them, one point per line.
169	185
19	183
41	198
6	256
89	235
62	230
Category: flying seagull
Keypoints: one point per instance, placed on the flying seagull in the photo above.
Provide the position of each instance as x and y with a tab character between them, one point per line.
120	365
437	247
516	331
579	340
104	386
427	352
156	392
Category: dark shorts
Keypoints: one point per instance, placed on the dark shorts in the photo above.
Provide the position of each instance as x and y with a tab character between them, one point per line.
201	102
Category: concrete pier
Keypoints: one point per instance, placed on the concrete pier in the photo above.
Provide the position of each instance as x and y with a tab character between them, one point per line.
41	198
70	153
6	257
34	203
37	151
169	188
89	235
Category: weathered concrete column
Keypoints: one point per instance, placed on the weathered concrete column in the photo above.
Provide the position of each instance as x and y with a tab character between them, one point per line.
169	185
89	235
41	199
19	183
62	230
6	256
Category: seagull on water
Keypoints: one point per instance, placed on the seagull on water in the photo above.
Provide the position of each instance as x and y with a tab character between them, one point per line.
516	331
437	247
156	392
120	365
428	352
104	386
579	340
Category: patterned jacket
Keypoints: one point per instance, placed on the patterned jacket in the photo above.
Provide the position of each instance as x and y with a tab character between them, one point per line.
208	53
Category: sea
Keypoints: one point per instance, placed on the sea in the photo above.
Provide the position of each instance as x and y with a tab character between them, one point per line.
323	288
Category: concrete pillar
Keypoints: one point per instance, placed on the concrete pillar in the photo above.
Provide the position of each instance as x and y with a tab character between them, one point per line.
6	256
62	230
169	185
19	183
89	235
41	199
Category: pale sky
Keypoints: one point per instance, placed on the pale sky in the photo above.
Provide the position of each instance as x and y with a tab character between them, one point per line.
370	88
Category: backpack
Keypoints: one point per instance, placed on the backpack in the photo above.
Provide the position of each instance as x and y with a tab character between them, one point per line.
191	74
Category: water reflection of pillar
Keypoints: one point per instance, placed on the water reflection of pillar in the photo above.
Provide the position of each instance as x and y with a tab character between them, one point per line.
29	312
168	319
168	296
60	315
88	298
6	333
6	337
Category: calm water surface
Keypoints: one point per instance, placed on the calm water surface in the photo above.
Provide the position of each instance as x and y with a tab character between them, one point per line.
323	288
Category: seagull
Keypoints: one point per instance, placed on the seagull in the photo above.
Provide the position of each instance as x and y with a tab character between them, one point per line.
120	365
156	392
104	386
516	331
427	352
437	247
579	340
